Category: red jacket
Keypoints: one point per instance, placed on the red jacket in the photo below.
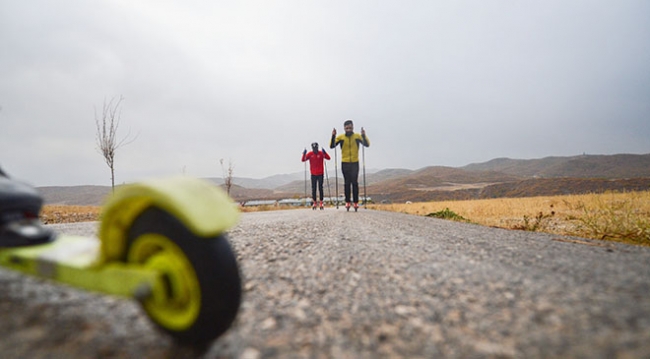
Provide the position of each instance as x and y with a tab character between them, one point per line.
316	161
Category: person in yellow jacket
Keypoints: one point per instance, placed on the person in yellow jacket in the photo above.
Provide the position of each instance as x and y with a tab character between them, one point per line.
350	142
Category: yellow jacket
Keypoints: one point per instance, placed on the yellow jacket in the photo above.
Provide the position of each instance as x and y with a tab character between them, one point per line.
349	145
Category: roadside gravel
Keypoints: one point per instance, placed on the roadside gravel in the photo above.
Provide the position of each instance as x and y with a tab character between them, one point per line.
332	284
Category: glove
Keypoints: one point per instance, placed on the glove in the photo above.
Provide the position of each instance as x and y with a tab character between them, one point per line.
304	152
324	152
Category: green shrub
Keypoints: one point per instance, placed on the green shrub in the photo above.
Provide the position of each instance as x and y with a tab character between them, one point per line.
447	214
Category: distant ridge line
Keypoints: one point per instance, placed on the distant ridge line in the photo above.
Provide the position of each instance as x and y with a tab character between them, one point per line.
497	177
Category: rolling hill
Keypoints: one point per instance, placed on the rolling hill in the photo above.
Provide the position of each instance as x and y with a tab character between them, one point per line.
298	186
75	195
584	166
501	177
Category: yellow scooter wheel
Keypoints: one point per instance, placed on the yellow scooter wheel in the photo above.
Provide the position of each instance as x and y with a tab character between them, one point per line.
199	293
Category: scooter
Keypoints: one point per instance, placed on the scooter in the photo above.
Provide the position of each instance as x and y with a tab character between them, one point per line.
161	242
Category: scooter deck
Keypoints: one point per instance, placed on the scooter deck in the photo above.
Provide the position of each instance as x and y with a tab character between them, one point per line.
73	260
74	251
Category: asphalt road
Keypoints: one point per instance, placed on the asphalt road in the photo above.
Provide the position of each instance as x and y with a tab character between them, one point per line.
332	284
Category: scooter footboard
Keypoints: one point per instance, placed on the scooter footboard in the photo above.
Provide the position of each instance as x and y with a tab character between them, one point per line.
72	260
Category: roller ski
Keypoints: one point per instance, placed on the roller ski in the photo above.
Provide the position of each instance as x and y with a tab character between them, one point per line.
348	205
317	205
162	243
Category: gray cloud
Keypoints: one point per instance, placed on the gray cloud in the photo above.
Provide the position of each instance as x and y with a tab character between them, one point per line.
433	83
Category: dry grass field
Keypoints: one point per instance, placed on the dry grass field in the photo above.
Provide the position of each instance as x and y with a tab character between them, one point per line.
69	214
623	217
269	208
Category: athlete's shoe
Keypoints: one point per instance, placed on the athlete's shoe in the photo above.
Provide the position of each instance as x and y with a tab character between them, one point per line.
347	206
356	206
321	205
314	205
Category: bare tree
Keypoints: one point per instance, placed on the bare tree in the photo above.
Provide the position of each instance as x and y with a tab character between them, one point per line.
227	175
107	141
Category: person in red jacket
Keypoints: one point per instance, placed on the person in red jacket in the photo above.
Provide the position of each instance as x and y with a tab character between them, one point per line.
316	159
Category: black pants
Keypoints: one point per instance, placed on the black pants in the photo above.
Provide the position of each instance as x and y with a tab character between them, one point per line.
351	177
316	180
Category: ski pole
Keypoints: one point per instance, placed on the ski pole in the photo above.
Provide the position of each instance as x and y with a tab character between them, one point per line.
336	178
327	178
363	157
305	181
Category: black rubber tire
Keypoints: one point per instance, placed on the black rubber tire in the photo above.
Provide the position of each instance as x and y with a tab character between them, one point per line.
216	269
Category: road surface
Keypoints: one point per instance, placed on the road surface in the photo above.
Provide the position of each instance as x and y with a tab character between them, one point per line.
333	284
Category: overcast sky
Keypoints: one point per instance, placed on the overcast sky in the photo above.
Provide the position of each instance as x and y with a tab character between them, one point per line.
255	82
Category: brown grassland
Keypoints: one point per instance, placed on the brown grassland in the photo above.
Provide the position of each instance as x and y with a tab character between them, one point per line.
623	217
69	214
269	208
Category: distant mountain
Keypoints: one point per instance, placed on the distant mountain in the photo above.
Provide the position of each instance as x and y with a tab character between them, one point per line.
501	177
585	166
270	182
387	174
298	186
562	186
75	195
439	177
239	193
524	188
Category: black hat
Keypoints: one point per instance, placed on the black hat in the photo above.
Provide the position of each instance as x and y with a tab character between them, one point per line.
314	145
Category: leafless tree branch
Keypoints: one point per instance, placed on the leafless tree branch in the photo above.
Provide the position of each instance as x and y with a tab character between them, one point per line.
227	174
107	126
